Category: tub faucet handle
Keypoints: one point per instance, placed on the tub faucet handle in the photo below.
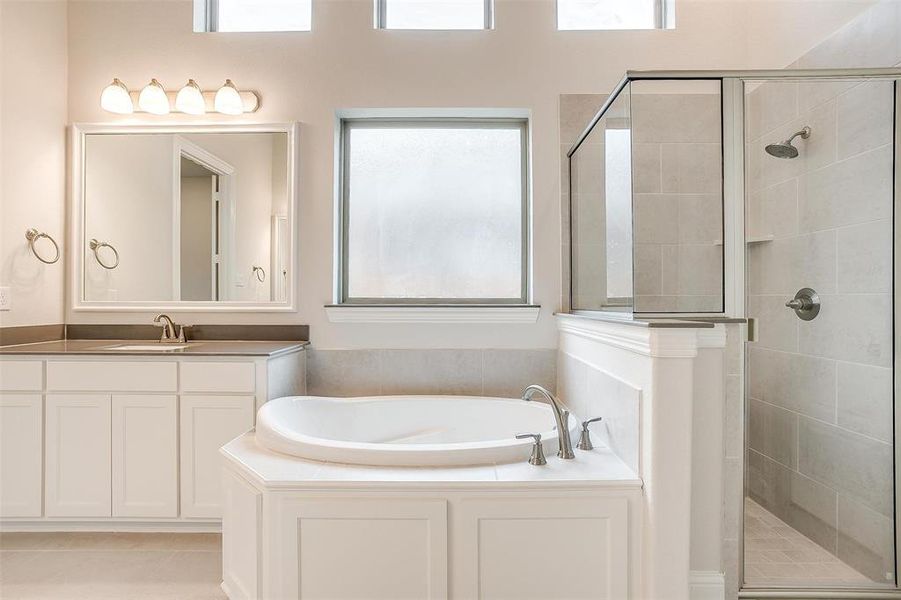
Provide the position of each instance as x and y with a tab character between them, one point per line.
585	437
537	457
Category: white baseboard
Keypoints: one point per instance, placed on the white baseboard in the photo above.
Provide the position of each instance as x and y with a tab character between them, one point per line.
706	585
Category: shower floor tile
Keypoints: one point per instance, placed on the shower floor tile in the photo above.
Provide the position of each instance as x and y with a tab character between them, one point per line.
776	554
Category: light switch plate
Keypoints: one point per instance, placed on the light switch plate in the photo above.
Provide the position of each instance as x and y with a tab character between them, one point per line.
6	298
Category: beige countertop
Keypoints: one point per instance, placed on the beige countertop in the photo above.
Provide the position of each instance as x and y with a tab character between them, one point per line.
193	348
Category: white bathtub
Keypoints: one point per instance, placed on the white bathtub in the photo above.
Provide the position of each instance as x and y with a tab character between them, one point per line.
406	430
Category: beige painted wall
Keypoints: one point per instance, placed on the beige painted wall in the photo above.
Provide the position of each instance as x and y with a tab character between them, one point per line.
306	76
33	43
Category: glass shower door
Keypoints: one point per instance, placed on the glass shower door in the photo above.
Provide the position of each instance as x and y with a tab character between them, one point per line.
819	445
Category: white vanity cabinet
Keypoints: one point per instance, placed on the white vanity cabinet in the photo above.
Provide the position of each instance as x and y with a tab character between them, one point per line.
126	439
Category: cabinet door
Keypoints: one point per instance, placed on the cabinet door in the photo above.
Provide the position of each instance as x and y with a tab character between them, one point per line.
207	424
21	455
542	547
78	455
145	460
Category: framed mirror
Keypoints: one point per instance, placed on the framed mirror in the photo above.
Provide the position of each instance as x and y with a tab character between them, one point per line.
184	218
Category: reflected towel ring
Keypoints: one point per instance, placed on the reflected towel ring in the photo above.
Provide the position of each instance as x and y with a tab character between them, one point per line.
96	246
260	273
33	235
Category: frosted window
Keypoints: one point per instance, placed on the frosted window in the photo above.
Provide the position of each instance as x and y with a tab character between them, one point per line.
434	211
434	14
618	184
260	15
607	14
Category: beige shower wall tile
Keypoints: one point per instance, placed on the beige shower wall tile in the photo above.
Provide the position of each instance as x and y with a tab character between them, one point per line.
864	258
769	105
852	191
700	269
677	117
692	168
853	328
773	432
506	373
865	115
343	373
700	218
865	400
656	218
646	167
852	464
865	539
777	327
803	384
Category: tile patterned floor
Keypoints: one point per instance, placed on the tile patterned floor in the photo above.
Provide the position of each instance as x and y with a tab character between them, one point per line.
776	554
106	566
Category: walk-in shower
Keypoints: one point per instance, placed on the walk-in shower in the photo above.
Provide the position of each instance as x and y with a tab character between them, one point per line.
681	204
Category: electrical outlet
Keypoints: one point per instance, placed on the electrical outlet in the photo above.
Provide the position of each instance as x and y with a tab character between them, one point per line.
6	298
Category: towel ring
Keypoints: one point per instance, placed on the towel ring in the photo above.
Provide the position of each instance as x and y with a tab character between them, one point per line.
96	246
260	273
33	235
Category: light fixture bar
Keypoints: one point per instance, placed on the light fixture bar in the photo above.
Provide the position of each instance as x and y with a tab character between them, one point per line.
250	99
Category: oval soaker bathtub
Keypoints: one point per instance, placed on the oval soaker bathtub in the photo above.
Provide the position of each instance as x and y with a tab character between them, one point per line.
406	430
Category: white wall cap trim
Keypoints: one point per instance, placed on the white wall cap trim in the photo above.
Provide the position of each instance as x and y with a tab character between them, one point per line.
658	342
432	314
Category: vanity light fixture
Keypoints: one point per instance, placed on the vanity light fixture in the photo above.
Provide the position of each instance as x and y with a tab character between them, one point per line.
153	99
190	99
228	100
115	98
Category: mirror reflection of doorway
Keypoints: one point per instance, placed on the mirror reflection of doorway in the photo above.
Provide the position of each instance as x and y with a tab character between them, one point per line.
204	217
199	257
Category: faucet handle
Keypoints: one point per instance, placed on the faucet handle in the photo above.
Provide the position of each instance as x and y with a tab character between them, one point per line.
537	457
585	437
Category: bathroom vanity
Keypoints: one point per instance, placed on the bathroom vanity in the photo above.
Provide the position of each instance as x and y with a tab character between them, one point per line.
111	435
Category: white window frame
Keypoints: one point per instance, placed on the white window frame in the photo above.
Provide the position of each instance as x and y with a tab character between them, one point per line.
664	17
381	18
206	19
381	309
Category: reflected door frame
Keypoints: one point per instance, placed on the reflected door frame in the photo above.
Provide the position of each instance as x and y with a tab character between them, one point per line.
222	216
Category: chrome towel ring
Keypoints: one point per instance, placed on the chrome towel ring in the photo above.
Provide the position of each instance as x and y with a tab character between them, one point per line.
260	273
96	246
33	235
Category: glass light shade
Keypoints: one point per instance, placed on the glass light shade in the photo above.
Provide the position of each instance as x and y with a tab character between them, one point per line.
115	99
190	99
153	99
228	100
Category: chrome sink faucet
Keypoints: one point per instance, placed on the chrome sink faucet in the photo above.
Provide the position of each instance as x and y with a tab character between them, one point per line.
169	336
561	415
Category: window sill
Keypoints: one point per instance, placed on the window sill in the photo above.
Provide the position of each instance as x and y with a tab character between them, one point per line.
419	313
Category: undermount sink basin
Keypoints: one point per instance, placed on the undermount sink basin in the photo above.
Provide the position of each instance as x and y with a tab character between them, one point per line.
148	347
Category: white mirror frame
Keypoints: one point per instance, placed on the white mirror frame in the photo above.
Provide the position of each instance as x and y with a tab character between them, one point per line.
76	285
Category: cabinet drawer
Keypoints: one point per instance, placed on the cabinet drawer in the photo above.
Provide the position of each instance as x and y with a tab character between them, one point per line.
21	375
110	376
235	377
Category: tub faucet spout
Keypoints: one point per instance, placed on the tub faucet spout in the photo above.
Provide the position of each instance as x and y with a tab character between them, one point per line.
561	416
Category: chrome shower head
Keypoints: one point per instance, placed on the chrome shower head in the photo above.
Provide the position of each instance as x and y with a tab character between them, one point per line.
786	149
